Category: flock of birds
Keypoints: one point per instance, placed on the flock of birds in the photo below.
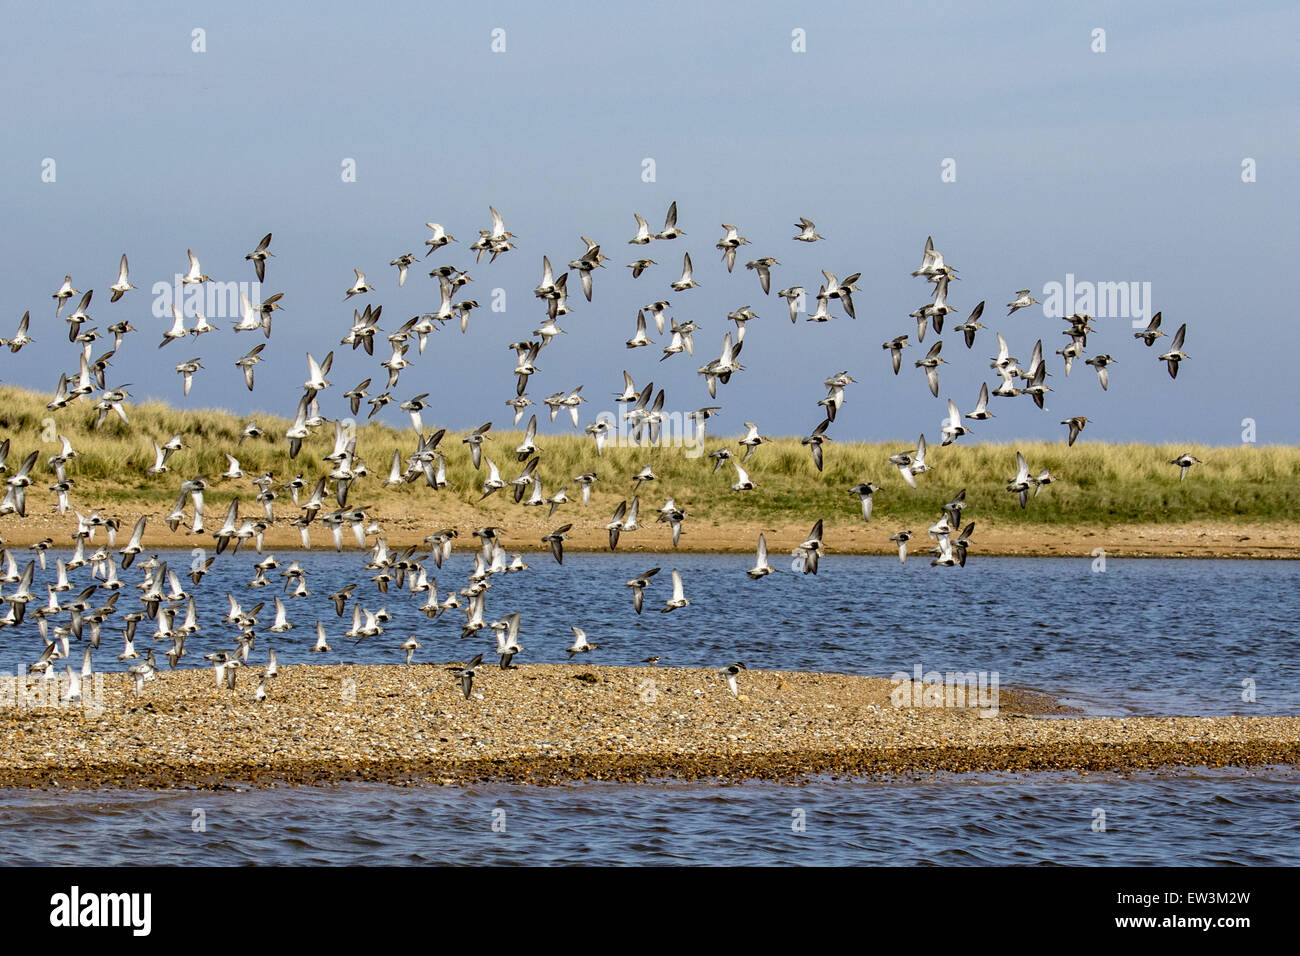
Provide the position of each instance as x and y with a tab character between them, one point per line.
172	610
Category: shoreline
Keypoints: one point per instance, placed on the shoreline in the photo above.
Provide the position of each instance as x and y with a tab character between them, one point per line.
1266	540
556	723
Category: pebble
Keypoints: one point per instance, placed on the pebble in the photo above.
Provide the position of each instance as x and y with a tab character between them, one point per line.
412	724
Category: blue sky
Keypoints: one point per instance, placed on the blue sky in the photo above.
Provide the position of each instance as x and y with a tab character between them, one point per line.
1117	166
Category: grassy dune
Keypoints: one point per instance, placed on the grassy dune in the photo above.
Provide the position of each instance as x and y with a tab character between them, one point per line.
1097	484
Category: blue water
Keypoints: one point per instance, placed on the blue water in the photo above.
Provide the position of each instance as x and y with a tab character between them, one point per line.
1143	637
1233	818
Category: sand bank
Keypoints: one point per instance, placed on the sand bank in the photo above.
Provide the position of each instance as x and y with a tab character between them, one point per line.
551	723
524	528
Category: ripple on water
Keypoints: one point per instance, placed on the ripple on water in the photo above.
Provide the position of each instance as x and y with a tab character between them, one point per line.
1199	818
1171	659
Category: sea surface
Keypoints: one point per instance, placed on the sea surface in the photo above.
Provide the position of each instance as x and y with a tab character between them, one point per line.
1145	636
1141	637
1188	818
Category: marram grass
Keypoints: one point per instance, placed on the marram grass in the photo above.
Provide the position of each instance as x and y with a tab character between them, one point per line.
1096	483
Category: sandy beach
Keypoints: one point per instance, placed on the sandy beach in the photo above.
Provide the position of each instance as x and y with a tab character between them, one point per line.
524	528
552	723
